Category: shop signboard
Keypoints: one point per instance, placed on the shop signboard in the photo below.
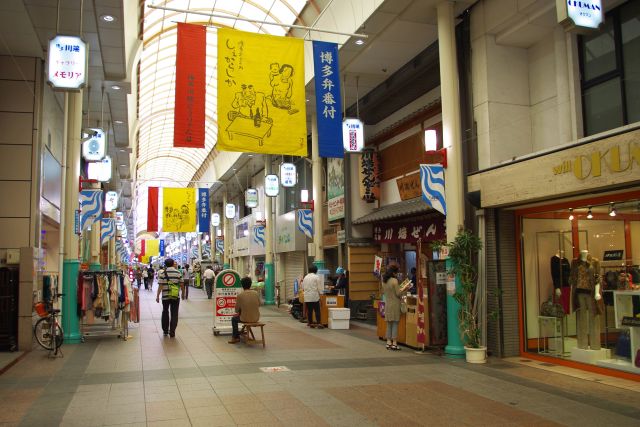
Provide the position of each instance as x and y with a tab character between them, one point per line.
251	198
409	186
369	176
230	211
335	188
580	14
352	135
203	210
271	185
110	201
432	228
288	174
67	62
94	148
215	219
100	171
226	289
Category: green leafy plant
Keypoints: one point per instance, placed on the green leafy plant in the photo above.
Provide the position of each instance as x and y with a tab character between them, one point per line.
436	245
462	253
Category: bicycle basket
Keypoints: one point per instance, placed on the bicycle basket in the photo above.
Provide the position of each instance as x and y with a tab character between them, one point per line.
41	309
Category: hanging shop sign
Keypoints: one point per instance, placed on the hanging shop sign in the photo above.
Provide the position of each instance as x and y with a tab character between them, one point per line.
93	148
335	189
90	207
110	201
161	247
369	176
409	186
76	222
580	14
100	171
409	232
352	135
328	101
203	210
271	185
230	211
215	219
288	175
432	186
251	198
67	62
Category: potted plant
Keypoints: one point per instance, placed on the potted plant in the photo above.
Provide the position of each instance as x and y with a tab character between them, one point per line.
436	246
462	253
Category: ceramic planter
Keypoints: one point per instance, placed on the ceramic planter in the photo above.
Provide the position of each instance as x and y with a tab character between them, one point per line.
476	355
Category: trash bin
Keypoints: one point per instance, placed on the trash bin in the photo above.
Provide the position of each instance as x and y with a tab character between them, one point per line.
339	318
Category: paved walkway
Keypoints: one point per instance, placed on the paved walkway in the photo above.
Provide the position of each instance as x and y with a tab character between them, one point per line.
333	378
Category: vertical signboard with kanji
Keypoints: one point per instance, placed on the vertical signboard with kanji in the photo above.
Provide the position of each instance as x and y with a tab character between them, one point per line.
203	210
328	103
226	289
369	179
67	62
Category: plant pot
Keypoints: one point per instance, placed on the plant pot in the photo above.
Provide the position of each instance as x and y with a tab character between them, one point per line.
476	355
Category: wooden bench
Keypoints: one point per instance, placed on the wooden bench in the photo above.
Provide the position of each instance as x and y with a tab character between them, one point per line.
246	333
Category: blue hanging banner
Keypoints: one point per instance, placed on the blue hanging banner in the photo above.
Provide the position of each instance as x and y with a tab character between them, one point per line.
328	101
161	247
204	217
432	184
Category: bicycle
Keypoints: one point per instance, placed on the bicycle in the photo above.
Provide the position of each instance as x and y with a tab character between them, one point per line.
47	330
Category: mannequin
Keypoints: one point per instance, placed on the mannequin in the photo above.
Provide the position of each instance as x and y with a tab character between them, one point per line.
585	286
560	271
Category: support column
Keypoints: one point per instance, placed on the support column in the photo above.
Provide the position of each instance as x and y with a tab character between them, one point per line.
454	184
112	253
318	213
225	252
71	265
269	270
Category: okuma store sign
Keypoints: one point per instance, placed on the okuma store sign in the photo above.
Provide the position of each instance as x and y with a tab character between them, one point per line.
580	14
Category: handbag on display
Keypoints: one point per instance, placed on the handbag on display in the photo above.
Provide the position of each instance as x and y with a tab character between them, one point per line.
550	308
623	345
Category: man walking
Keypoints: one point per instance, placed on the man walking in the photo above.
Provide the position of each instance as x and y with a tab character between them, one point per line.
247	309
208	275
169	281
312	286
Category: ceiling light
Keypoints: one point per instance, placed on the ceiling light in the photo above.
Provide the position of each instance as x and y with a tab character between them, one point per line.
124	166
589	214
115	87
118	122
612	209
108	18
359	42
571	217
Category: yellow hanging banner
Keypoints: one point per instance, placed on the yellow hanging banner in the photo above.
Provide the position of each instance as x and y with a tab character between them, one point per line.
261	95
144	259
179	210
152	247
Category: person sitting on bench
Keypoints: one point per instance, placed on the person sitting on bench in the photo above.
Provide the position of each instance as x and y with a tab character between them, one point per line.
247	309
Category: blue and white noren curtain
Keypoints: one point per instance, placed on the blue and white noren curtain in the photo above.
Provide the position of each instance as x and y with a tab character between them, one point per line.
305	222
432	183
90	207
107	229
206	251
258	235
219	246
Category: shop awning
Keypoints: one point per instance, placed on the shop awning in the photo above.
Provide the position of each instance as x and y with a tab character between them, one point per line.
396	210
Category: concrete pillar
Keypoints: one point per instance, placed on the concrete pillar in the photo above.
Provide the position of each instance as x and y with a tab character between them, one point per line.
269	269
71	266
112	252
565	133
225	252
454	184
318	212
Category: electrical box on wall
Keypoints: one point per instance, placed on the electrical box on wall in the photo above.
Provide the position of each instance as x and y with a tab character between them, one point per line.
13	256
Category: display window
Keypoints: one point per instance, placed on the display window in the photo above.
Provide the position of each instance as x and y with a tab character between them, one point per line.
580	274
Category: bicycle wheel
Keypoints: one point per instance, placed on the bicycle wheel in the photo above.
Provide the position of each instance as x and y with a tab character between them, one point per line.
42	332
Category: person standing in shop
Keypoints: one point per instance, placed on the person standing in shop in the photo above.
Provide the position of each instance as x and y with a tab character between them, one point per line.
342	284
312	286
169	281
208	275
392	293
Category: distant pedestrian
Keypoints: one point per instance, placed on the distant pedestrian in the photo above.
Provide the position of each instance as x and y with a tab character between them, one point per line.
169	281
392	293
150	276
208	275
312	286
186	277
145	276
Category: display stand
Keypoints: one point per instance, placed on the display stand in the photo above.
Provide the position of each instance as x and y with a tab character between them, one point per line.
226	288
117	323
555	326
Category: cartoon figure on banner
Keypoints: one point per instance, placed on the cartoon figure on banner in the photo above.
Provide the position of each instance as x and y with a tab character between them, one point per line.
282	86
177	217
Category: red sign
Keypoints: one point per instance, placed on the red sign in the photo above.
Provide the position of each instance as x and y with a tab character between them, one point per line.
152	210
229	280
188	130
427	230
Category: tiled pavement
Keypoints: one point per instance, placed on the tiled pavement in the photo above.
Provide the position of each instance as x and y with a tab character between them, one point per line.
335	378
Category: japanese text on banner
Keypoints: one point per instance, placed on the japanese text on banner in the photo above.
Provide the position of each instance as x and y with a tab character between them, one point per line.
328	101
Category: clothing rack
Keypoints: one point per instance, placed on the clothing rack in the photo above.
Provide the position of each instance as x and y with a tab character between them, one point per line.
103	306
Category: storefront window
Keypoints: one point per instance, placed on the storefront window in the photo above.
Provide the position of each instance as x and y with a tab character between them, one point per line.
610	70
564	263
